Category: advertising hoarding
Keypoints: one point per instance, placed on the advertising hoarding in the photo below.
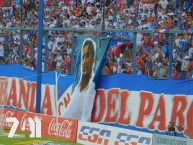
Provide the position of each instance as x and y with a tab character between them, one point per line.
170	140
93	134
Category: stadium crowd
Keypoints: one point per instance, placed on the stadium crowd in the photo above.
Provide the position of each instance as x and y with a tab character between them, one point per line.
152	49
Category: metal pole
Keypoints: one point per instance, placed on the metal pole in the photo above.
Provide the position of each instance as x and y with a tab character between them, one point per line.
134	53
171	38
103	22
21	33
40	44
46	52
21	47
73	53
21	13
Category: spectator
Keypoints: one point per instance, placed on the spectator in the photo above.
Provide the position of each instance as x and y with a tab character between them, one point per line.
153	49
58	61
106	69
1	51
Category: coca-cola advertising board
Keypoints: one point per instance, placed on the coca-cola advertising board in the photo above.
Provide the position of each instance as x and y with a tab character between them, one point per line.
51	126
60	128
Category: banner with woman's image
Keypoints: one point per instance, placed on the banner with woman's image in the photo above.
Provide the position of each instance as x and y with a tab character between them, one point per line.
90	55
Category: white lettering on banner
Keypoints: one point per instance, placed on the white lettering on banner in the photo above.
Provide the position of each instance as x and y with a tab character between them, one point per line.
64	100
53	127
93	134
63	129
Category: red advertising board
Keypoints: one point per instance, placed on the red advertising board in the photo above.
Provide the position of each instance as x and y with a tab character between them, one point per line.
60	128
7	113
51	126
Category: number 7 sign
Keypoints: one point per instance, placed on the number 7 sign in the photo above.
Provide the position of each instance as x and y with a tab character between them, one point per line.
35	126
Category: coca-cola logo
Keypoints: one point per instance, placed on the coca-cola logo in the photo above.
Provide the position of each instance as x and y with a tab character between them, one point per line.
3	118
63	129
25	125
53	127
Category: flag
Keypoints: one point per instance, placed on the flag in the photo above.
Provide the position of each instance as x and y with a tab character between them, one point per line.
90	57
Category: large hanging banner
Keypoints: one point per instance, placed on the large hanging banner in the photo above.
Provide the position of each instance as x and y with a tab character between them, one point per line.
128	101
145	104
90	57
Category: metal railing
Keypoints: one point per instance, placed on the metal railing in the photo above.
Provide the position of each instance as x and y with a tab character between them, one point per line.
99	31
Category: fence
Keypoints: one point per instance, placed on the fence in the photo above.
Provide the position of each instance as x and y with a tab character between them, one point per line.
132	51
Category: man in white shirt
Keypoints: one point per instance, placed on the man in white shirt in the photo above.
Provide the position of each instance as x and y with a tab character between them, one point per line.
89	8
66	22
58	61
2	39
163	3
1	51
82	99
139	39
190	51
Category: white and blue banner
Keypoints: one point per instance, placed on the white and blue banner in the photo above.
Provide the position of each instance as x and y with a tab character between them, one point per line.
90	57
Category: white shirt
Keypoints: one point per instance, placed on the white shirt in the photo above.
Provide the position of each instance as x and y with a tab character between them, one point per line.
88	10
2	39
50	45
1	50
25	36
139	39
54	46
163	3
58	60
91	1
66	23
52	25
69	50
81	104
155	56
83	2
60	4
190	51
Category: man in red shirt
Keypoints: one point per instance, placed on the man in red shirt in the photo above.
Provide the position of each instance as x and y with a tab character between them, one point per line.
175	73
